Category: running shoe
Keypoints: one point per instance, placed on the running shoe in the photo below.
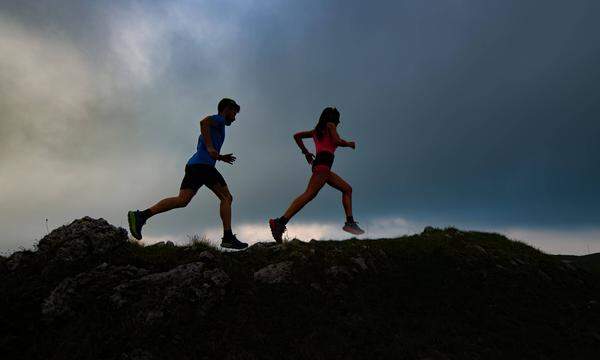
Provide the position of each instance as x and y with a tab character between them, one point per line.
231	242
353	228
277	229
136	222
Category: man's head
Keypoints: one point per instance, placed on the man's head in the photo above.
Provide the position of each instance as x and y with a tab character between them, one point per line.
228	109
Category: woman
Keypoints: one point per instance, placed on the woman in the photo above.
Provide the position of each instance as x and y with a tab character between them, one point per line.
326	141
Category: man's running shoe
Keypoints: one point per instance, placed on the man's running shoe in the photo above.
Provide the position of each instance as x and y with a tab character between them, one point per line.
136	222
231	242
277	229
353	228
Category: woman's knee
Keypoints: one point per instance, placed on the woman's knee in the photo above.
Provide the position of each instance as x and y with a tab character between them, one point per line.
347	190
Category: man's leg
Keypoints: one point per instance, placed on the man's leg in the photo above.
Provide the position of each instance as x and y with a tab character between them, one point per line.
229	239
222	192
179	201
137	219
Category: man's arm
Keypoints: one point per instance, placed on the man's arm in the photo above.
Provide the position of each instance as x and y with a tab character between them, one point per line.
205	125
337	139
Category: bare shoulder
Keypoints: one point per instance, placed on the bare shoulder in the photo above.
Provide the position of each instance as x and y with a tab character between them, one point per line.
207	119
305	134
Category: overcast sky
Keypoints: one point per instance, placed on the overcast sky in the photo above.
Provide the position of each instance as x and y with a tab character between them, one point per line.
477	114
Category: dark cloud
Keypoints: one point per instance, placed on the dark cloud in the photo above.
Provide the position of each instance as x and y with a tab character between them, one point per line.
465	112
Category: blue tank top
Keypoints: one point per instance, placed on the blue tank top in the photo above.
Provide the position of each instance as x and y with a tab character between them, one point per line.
217	134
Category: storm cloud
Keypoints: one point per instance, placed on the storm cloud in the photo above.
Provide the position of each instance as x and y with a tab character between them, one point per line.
476	114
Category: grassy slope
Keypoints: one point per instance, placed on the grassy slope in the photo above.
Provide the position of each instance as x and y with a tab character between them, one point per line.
443	293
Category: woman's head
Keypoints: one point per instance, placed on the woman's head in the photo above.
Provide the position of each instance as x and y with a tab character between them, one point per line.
329	115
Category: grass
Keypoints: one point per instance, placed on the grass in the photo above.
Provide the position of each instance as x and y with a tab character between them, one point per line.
202	243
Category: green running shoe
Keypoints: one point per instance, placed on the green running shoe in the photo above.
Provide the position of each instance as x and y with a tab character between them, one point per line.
136	222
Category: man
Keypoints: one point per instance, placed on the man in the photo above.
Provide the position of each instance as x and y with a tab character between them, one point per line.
200	170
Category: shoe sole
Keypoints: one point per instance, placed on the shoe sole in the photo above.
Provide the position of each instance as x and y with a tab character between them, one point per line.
353	232
272	226
131	220
230	246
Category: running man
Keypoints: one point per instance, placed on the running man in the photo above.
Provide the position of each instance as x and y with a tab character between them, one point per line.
200	170
326	141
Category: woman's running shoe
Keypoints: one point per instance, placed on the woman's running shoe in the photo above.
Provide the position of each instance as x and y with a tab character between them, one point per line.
277	229
353	228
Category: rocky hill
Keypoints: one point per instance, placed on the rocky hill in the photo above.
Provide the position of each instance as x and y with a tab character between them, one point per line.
88	292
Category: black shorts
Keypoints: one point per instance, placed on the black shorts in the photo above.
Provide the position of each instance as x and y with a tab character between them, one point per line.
197	175
323	161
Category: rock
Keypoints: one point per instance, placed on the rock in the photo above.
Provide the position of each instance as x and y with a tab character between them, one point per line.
218	277
432	355
274	273
167	296
544	276
17	259
138	354
337	271
79	245
480	250
429	230
73	293
266	245
360	262
206	255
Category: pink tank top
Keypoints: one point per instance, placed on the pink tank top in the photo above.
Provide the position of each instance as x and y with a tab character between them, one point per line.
325	143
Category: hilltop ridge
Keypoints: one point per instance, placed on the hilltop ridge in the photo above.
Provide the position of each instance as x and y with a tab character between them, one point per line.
88	292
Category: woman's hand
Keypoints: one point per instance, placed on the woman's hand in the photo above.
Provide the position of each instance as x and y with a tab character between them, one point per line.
352	144
309	157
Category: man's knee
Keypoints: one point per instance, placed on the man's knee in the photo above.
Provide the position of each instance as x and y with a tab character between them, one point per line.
227	198
184	201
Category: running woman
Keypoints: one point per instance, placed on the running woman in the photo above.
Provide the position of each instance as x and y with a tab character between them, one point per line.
326	141
200	170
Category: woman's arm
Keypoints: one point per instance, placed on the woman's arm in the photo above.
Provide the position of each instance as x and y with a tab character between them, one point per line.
298	138
336	137
303	135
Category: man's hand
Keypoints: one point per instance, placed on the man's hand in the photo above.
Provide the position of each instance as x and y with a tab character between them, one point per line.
352	144
213	153
309	157
228	158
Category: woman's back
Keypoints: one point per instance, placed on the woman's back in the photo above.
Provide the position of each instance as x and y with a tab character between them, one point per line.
325	143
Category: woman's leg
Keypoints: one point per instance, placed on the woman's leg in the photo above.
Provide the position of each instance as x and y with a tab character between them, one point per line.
337	182
316	182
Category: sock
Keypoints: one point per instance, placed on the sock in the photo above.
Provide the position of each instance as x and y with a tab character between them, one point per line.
227	234
283	220
349	219
146	214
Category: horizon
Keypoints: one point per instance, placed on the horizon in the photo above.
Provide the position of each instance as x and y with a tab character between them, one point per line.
479	116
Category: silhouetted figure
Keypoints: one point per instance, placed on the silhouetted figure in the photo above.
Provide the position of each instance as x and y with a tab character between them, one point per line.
326	141
200	170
